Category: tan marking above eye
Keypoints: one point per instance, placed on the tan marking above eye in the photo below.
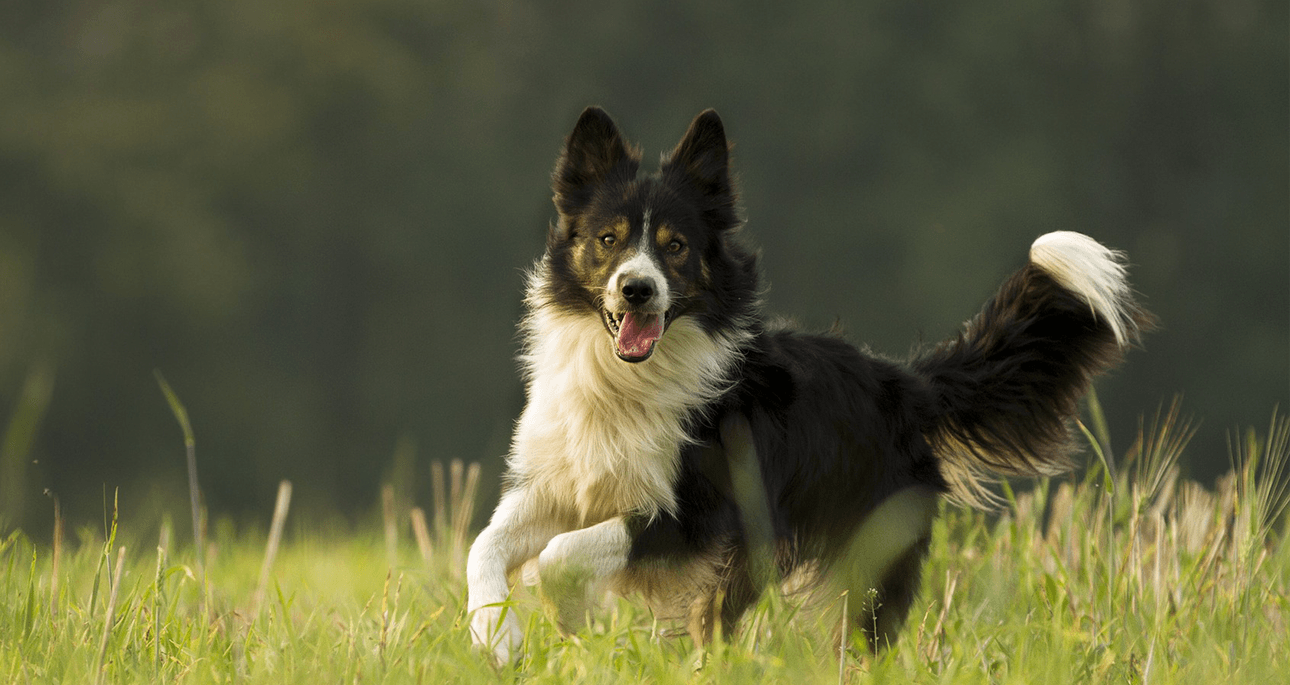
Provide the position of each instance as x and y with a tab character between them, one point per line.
670	241
611	233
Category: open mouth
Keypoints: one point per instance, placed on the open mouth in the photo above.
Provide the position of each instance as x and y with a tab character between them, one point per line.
635	333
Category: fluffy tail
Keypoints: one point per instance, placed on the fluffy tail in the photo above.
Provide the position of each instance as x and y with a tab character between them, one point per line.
1008	386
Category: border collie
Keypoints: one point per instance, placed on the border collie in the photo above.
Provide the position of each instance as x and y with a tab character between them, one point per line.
677	445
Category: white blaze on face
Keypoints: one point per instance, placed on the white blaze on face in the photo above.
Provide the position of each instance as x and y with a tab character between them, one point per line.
639	326
640	264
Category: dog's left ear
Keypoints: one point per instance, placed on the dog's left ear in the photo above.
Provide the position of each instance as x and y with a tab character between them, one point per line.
702	160
593	154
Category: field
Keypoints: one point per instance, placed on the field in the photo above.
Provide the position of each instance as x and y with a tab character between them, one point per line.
1125	574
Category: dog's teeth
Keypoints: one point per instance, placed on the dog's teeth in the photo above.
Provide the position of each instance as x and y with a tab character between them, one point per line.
613	320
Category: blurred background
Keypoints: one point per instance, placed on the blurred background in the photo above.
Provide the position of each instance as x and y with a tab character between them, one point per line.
314	217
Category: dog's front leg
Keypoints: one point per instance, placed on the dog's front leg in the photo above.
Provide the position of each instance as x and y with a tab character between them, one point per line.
579	562
515	534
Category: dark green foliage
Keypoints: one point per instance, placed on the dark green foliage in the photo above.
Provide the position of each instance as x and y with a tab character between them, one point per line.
312	217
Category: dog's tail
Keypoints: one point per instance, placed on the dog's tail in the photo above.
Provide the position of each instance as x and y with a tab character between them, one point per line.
1007	388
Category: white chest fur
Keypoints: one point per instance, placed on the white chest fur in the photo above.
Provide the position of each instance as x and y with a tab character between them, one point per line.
601	437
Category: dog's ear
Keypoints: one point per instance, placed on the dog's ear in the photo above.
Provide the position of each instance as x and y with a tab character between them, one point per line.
593	153
702	160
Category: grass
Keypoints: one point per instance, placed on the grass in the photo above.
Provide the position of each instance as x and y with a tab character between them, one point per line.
1137	578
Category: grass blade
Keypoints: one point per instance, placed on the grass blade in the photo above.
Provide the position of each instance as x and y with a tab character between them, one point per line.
190	448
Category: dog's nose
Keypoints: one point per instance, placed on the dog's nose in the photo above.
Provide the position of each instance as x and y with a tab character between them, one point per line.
638	291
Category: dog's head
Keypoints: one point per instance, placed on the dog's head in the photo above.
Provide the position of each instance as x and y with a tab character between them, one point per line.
642	252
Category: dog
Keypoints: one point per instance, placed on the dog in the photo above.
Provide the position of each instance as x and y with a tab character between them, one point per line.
677	444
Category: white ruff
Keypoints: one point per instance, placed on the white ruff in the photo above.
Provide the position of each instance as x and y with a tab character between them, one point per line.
600	437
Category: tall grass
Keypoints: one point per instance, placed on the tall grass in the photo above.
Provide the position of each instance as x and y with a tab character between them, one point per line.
1139	577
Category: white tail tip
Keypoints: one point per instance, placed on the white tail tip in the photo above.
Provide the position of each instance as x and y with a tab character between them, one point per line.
1084	266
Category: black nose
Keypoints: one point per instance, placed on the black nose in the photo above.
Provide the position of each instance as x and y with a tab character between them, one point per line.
638	291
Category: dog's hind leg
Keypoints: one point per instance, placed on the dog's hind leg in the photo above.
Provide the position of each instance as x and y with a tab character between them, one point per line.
579	562
726	604
883	613
882	566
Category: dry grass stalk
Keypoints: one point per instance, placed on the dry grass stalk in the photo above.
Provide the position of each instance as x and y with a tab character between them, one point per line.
463	510
454	510
280	508
1158	451
391	519
422	534
385	615
440	497
456	469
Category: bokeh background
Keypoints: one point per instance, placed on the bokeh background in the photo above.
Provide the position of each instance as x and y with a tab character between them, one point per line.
314	217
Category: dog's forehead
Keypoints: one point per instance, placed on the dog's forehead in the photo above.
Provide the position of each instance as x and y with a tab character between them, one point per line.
634	198
645	202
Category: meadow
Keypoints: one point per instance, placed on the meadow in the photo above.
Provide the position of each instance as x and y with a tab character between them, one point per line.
1125	573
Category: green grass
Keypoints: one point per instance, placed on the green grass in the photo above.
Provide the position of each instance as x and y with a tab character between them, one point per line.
1137	578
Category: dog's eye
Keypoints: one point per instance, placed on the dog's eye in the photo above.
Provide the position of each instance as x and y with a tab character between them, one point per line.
675	246
608	240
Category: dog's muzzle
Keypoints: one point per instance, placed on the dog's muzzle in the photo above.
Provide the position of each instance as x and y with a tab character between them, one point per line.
635	333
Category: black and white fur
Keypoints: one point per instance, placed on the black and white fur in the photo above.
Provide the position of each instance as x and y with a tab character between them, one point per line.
672	437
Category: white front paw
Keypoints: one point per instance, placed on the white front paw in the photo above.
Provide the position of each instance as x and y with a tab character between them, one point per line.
502	635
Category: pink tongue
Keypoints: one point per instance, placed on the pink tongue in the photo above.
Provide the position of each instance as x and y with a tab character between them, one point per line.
638	333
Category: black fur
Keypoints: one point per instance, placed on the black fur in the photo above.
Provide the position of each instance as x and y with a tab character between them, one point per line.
836	431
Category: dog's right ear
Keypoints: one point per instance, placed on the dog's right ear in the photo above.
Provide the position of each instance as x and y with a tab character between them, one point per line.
593	153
